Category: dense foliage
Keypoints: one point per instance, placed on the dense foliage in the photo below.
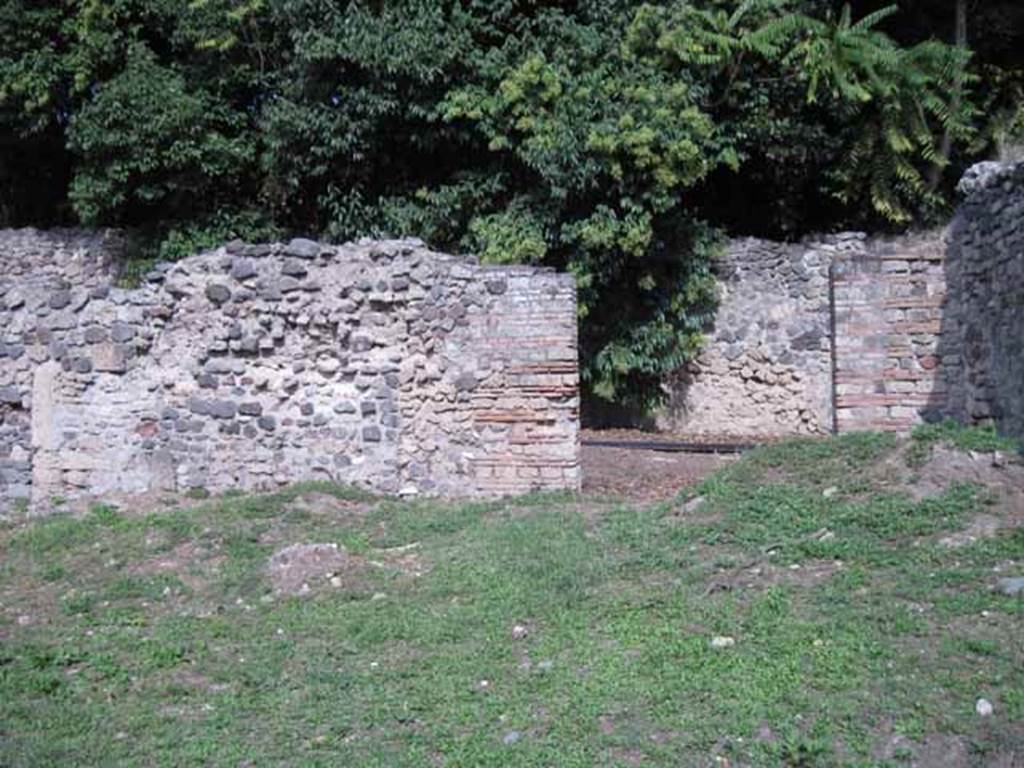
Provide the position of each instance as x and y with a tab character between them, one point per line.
608	137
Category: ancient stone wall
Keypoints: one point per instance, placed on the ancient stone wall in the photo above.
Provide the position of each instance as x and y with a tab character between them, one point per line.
765	368
888	302
983	325
848	333
380	363
769	368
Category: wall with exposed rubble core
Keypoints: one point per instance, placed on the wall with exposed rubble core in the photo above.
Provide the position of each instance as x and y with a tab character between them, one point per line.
765	369
847	332
983	325
836	333
381	364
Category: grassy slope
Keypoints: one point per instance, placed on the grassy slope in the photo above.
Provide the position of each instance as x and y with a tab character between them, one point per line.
123	664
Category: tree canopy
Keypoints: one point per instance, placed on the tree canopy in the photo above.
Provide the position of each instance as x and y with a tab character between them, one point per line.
612	138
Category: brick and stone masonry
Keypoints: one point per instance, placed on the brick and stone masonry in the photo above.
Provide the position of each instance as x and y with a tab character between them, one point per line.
381	364
846	332
764	370
888	302
836	330
389	366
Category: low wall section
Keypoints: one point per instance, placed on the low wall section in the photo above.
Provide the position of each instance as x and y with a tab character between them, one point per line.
382	364
765	368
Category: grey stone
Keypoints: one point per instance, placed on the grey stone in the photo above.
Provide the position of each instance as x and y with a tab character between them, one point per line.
808	340
692	506
497	286
122	332
345	406
10	395
250	409
982	176
267	423
218	293
1011	587
94	335
372	434
242	269
328	366
302	248
269	289
60	299
466	382
223	409
199	406
258	251
13	351
293	268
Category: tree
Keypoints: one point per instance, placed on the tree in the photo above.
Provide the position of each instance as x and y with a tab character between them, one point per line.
607	137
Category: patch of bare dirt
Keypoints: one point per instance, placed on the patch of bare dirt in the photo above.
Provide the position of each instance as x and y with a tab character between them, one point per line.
187	677
325	505
303	569
946	466
645	476
300	569
981	527
764	575
935	750
404	560
947	750
1001	475
186	562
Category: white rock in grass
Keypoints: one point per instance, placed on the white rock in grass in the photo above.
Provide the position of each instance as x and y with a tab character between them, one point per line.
722	641
693	505
984	707
1011	586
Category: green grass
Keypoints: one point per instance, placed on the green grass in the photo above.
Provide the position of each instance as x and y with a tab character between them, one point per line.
978	439
116	661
